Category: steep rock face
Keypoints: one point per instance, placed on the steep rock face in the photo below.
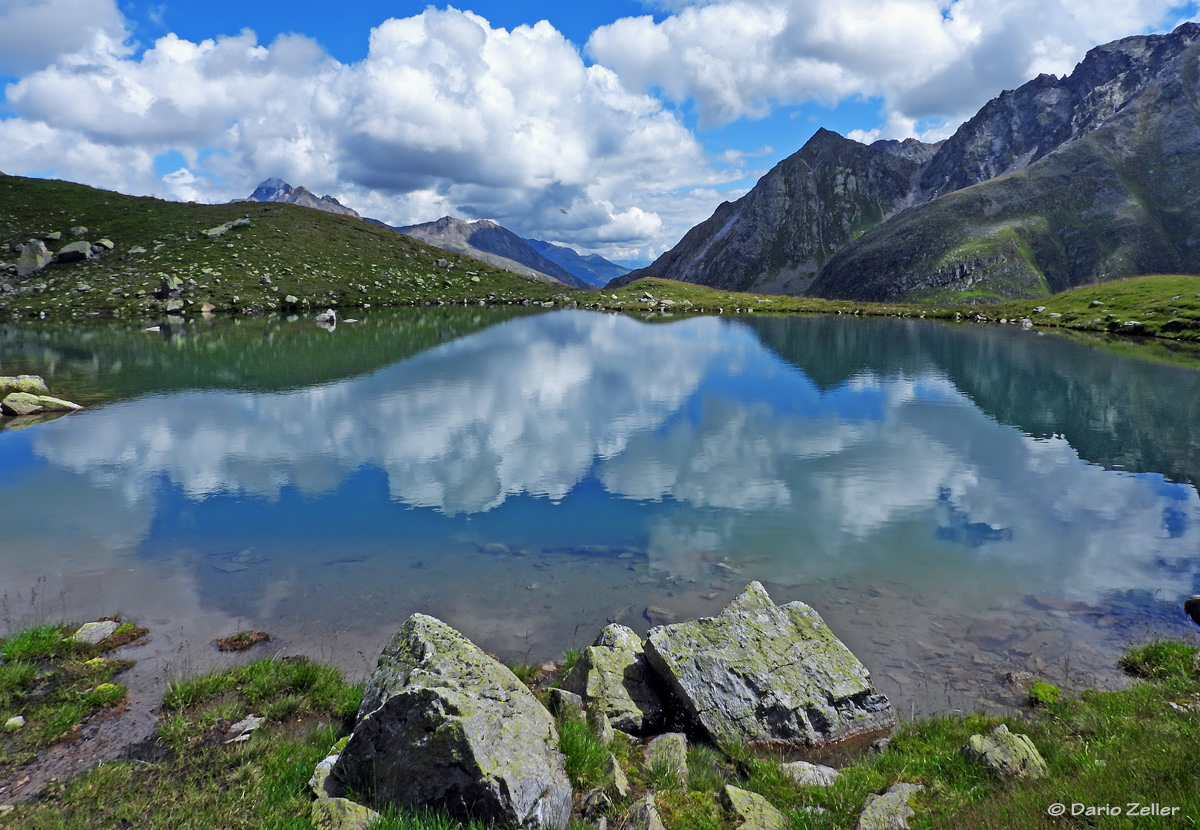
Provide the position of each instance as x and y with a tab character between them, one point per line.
1061	182
1121	199
491	243
277	190
777	237
591	268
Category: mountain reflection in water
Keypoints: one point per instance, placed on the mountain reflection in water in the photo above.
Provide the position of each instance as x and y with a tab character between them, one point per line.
957	502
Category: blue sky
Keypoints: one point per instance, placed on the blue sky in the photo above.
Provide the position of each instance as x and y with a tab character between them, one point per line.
612	127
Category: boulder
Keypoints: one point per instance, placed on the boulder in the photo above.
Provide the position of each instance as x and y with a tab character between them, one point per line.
1008	754
1192	607
891	810
75	252
612	675
767	674
753	811
444	726
34	257
805	774
20	403
31	384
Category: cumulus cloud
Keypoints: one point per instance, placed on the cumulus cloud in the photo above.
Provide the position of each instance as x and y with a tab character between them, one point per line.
446	114
35	33
928	59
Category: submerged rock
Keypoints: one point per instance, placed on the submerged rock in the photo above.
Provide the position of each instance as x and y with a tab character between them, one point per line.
767	674
612	675
444	726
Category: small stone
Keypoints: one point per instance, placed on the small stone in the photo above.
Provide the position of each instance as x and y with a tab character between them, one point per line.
341	814
890	811
1192	607
618	782
14	723
137	249
107	244
94	632
1008	754
754	811
805	774
643	815
79	230
563	702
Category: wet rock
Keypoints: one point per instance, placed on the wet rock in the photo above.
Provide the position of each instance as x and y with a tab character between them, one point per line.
657	615
667	755
1008	754
341	814
1192	607
891	810
768	674
810	775
94	632
753	811
613	677
75	252
327	316
444	726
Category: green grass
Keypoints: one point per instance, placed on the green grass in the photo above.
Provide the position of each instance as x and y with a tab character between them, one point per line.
1162	659
586	756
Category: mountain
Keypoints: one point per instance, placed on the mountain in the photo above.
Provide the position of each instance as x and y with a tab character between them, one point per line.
277	190
1061	182
592	268
487	241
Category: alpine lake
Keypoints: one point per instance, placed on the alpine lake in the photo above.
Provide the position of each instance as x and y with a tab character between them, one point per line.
957	501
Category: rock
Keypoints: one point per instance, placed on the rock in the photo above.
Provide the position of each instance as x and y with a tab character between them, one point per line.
890	811
207	308
174	305
1192	607
137	249
754	811
601	726
14	723
30	384
444	726
34	257
563	702
221	230
810	775
319	783
327	316
291	299
52	404
79	230
83	287
613	676
242	729
106	244
341	814
657	615
1008	754
20	403
618	781
48	236
643	815
74	252
667	755
767	674
94	632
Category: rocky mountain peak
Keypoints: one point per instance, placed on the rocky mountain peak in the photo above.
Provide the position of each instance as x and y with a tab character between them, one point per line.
277	190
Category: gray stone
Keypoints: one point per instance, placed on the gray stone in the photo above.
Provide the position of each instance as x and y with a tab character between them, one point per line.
563	702
753	811
75	252
319	783
890	811
50	403
48	236
767	674
79	230
601	726
1192	607
94	632
20	403
34	257
174	305
137	249
444	726
221	230
643	815
810	775
1008	754
106	244
613	677
30	384
618	781
667	755
14	723
341	814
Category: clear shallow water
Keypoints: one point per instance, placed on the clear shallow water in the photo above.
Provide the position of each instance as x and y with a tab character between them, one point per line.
956	502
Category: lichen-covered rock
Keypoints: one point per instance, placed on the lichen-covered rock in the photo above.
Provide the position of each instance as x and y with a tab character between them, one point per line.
768	674
20	403
341	814
30	384
754	811
618	781
1008	754
613	677
667	755
805	774
34	257
444	726
643	815
891	810
74	252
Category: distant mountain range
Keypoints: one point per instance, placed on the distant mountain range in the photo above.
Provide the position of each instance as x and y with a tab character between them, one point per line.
484	240
1061	182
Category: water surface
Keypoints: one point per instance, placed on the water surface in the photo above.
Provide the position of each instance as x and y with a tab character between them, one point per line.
957	502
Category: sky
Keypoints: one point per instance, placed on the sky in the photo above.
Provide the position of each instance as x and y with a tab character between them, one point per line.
611	127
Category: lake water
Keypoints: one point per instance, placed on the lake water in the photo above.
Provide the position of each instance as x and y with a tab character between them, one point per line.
957	502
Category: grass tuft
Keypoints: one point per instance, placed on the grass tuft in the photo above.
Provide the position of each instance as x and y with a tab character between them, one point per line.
1161	659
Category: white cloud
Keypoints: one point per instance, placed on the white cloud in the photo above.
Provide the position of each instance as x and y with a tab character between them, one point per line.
446	114
928	59
35	33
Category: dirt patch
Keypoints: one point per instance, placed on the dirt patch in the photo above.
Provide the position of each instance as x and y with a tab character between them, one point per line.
242	641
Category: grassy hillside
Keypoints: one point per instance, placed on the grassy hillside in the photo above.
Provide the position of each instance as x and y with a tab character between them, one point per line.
318	258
